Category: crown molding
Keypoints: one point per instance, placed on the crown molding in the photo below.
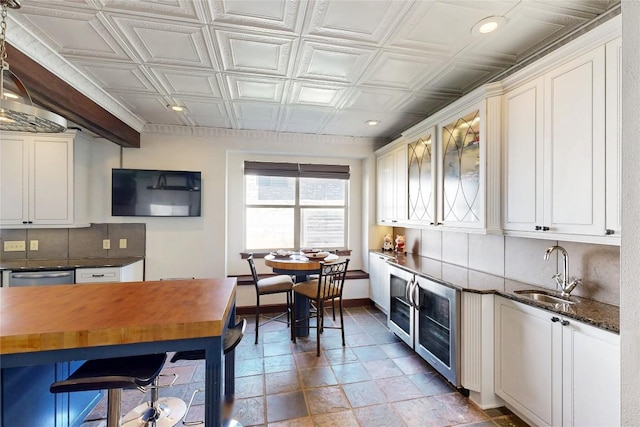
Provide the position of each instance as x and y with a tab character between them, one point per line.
299	138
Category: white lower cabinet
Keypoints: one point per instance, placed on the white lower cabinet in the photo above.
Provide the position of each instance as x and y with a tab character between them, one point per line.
555	371
379	280
133	272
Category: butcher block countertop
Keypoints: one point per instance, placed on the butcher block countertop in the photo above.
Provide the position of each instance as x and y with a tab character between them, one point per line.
59	317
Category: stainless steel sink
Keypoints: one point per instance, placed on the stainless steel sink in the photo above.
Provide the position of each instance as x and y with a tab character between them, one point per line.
542	296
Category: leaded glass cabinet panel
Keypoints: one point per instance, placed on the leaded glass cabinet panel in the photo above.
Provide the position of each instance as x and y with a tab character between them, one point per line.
421	179
461	170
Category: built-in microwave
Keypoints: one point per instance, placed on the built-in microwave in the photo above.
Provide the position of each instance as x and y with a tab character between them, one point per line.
425	315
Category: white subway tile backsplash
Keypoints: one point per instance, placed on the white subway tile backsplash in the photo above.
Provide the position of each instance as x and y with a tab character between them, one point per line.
486	253
455	248
432	244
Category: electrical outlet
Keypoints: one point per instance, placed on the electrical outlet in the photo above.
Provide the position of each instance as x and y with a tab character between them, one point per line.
106	244
14	246
123	244
33	245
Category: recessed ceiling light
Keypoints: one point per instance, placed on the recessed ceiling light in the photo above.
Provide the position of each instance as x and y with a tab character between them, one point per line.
372	122
177	108
488	25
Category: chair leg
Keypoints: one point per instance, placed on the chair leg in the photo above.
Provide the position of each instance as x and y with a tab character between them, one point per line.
289	308
320	320
333	307
257	315
293	318
341	322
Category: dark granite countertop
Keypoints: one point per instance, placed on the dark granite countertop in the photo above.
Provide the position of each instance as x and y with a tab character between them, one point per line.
602	315
65	264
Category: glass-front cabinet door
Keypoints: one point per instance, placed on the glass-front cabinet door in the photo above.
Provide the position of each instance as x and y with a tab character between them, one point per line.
421	179
461	171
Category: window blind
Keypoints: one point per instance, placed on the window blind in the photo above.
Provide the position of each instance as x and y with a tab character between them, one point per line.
304	170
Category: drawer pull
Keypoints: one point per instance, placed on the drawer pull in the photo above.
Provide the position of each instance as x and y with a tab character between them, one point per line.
97	275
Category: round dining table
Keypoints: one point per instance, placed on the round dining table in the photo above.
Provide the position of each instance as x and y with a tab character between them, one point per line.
301	267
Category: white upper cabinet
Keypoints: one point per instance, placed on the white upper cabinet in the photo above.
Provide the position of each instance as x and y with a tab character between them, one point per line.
392	186
461	173
453	165
575	146
554	150
523	151
40	186
443	175
614	135
561	132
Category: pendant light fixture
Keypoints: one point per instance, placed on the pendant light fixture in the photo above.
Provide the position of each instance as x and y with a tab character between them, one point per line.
17	112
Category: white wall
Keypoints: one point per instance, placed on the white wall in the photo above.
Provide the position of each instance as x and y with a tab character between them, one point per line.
630	248
210	246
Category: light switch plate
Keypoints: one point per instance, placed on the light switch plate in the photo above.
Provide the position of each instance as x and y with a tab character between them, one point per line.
106	244
33	245
123	244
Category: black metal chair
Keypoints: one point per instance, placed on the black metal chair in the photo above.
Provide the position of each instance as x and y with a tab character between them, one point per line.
327	286
114	375
267	286
230	340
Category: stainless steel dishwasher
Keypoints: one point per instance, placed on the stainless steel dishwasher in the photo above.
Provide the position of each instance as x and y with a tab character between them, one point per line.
39	278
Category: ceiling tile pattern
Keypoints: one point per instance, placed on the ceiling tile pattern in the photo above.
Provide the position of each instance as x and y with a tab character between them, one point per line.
306	66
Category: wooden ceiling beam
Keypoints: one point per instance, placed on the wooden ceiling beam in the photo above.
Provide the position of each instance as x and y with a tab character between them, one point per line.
49	91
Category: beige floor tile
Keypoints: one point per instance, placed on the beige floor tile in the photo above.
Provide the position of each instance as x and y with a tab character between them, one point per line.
326	400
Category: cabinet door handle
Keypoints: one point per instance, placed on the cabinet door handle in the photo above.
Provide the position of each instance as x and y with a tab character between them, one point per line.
545	228
564	323
609	232
538	228
554	319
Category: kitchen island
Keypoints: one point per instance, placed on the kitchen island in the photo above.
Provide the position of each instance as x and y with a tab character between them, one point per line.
41	326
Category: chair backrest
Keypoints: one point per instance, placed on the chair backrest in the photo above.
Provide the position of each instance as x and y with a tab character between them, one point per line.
252	266
331	279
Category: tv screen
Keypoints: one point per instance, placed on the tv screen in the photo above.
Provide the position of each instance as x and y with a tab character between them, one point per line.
143	192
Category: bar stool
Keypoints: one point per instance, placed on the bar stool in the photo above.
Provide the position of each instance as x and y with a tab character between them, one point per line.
114	375
231	339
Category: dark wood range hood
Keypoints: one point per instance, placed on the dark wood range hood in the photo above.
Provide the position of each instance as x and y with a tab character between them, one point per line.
54	94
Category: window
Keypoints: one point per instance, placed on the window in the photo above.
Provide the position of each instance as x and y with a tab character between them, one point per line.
289	206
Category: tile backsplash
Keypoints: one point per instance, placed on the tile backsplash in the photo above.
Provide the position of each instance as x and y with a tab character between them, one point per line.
61	243
522	259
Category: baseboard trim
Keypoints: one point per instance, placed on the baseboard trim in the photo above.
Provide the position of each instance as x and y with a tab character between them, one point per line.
279	308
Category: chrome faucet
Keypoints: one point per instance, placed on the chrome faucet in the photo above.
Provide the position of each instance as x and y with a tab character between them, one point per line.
565	284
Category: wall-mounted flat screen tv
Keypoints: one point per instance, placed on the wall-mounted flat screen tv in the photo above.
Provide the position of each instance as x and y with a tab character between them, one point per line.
144	192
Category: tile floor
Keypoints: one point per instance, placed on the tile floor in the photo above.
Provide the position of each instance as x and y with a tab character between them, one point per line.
374	381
